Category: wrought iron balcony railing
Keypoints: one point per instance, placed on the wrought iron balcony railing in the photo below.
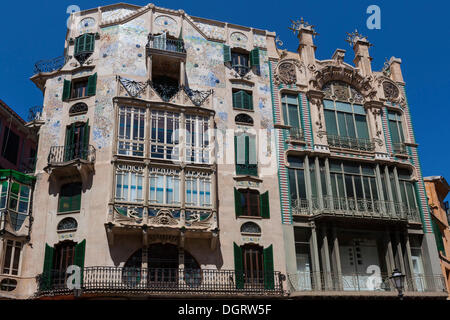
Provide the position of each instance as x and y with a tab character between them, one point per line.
296	134
173	45
147	280
329	281
354	207
399	148
62	154
50	65
350	143
246	169
242	70
35	114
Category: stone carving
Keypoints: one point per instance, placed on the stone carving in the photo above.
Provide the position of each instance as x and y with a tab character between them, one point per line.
164	217
391	91
286	71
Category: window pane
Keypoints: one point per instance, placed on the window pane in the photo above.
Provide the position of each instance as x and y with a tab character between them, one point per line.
361	127
330	122
350	125
349	186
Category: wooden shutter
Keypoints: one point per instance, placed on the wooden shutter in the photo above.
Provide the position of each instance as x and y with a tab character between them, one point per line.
268	268
89	42
238	203
226	53
66	90
46	282
254	57
70	140
92	85
78	45
264	205
76	198
238	100
79	257
238	266
247	101
85	147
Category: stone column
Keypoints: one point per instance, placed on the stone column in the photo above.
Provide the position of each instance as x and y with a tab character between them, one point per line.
306	48
315	258
318	183
410	270
337	270
326	260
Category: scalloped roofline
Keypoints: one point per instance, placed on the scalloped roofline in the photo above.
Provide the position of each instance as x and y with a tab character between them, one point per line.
139	10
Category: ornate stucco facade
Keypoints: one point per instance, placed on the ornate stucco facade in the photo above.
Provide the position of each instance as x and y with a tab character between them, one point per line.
182	156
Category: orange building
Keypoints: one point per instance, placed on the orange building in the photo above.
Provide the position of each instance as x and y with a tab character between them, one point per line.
437	189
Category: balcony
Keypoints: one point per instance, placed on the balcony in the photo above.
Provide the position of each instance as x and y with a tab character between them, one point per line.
296	135
64	159
351	207
46	66
247	169
335	284
163	282
158	44
350	143
399	149
162	222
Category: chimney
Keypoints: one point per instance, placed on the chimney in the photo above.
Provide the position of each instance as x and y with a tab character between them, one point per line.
363	61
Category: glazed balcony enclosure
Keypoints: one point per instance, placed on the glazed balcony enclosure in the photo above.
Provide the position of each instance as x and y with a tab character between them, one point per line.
163	282
15	202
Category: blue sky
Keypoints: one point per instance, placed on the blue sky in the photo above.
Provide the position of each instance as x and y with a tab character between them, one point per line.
415	31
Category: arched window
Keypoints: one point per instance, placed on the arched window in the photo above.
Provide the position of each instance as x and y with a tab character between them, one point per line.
78	108
162	267
67	224
251	228
243	119
345	117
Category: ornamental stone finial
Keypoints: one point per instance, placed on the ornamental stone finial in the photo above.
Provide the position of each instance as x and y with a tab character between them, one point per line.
355	36
301	24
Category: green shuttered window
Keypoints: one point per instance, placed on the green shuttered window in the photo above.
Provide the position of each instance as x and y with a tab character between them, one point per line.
80	88
226	53
238	266
254	57
70	198
84	43
268	268
245	155
250	203
242	100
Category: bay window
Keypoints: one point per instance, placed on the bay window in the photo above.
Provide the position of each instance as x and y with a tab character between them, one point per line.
198	189
129	183
164	134
164	186
197	139
131	131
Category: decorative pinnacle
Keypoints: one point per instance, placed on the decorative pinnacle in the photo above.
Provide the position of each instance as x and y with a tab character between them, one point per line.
353	37
302	24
